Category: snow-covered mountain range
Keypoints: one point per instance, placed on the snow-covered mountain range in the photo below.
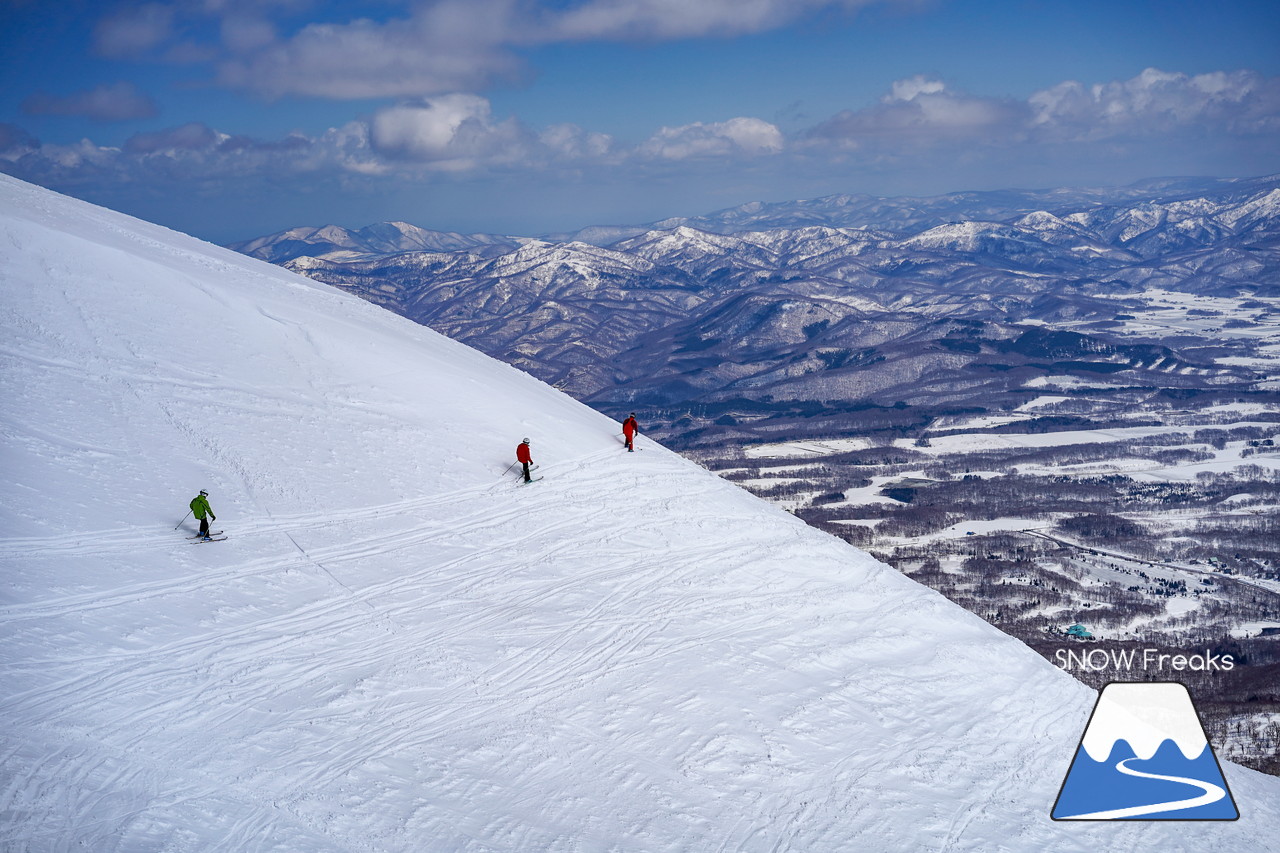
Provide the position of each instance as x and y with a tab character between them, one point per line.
900	216
400	649
844	300
846	210
337	243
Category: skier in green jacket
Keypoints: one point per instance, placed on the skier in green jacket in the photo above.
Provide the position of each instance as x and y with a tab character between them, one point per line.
201	510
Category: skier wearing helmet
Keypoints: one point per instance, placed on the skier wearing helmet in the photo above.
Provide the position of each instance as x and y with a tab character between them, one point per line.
524	457
200	509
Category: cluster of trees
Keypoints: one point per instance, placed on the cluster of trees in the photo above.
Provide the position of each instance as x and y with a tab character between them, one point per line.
1100	526
1026	586
704	427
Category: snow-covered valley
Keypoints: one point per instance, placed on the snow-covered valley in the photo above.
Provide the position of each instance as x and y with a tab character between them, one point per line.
398	648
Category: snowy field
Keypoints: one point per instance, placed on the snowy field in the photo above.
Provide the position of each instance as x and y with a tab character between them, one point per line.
1170	312
1167	313
400	649
978	441
789	449
945	445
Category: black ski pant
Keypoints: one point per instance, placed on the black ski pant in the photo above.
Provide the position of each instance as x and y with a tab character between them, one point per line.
527	478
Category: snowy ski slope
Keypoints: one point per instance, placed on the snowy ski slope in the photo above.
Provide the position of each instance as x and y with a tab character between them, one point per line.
399	649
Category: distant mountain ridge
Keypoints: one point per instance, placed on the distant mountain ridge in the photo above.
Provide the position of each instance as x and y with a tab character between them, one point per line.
382	238
834	211
790	316
845	210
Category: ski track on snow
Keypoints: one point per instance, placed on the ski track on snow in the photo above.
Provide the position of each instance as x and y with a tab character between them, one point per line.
82	544
145	671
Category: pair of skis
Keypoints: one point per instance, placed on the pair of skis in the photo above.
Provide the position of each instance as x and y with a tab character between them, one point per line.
521	481
214	536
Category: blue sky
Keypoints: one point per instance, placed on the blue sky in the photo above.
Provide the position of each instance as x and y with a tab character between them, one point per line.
234	118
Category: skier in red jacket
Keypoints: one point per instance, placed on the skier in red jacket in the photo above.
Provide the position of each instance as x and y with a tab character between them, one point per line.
629	430
524	457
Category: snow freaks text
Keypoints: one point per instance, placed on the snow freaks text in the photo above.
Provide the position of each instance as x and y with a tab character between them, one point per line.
1146	660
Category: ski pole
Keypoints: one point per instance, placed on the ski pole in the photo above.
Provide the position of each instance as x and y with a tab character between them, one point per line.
184	518
504	473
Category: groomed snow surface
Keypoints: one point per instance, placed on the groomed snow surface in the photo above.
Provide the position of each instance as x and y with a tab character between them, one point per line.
399	649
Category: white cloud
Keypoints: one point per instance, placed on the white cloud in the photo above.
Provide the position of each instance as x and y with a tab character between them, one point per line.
732	138
1158	102
454	45
569	142
1211	123
454	131
921	112
458	132
434	46
918	111
427	130
913	87
161	160
444	46
674	19
188	137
